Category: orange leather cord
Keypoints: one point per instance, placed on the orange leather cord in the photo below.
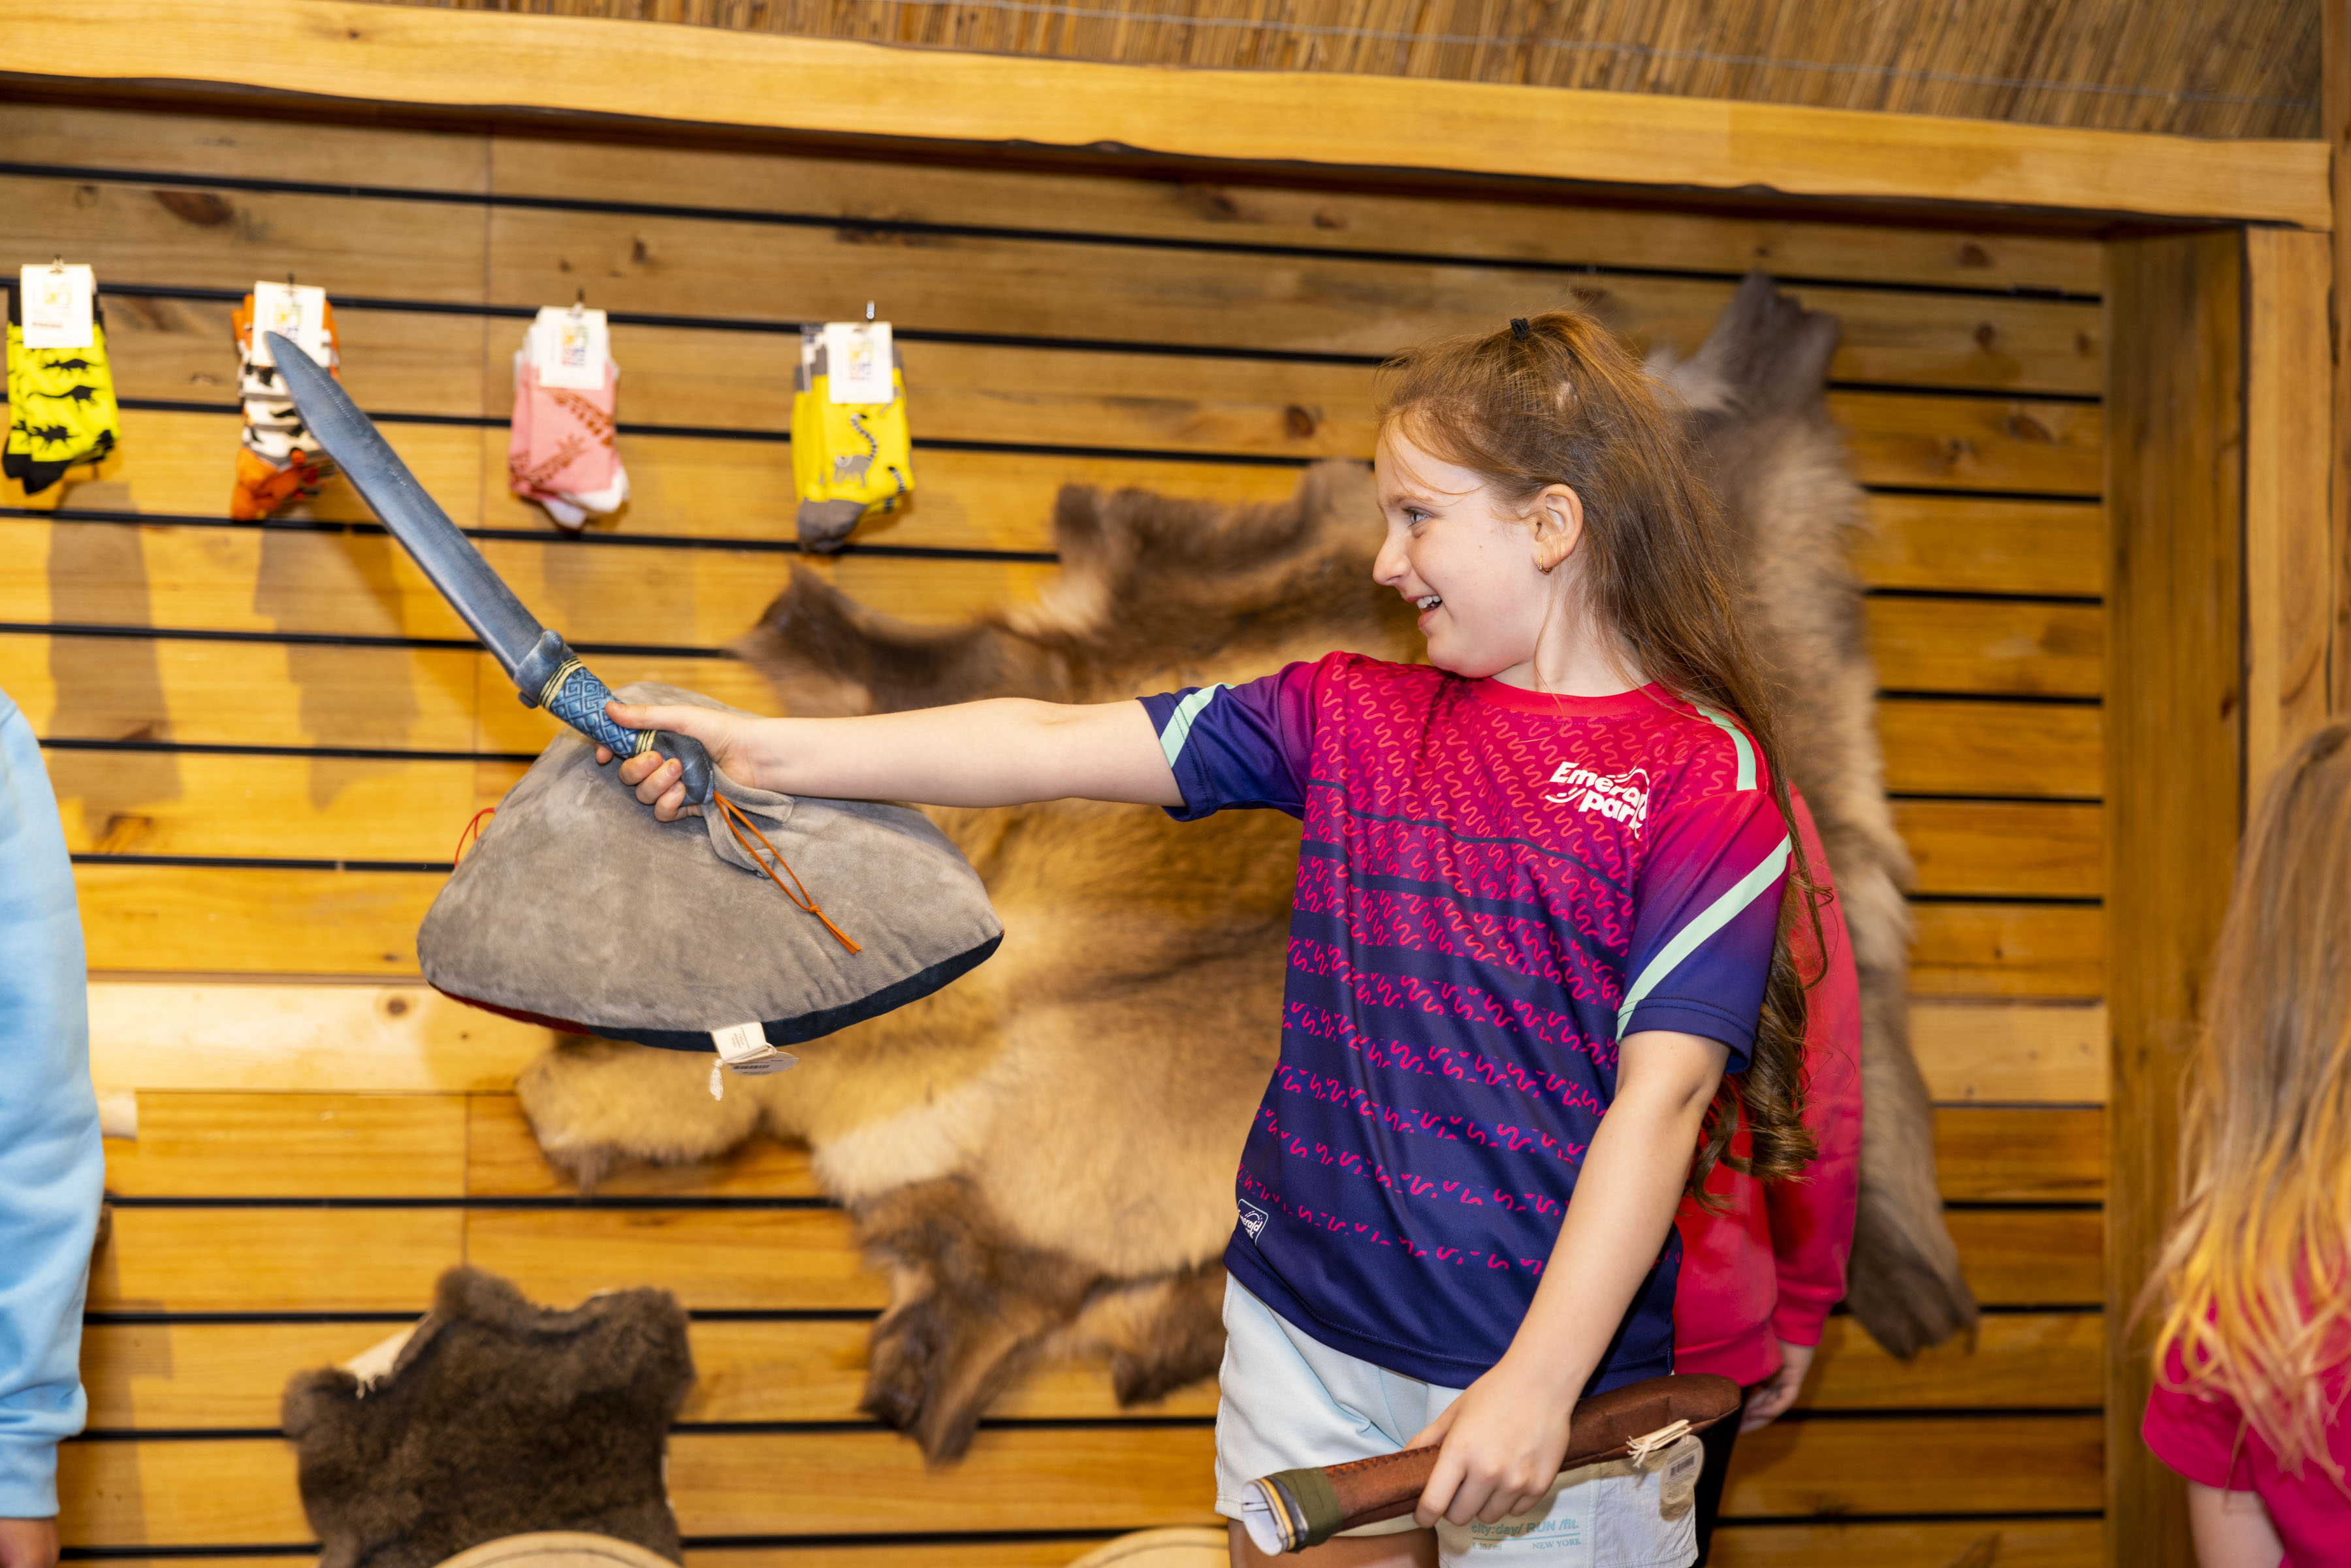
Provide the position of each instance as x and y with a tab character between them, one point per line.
473	833
736	821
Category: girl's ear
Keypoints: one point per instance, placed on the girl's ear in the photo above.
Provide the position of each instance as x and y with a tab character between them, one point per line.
1556	521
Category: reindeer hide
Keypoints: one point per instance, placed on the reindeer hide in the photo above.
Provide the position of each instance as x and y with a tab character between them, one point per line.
1040	1156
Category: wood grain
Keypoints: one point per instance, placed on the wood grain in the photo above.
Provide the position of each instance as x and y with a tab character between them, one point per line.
2010	1542
1978	646
713	76
201	1036
2002	848
2176	504
2010	1051
2007	950
202	1258
2289	561
274	1260
712	1259
2031	1257
1540	228
181	1376
1993	748
2028	1360
245	921
1832	1466
1958	544
308	1145
1987	1154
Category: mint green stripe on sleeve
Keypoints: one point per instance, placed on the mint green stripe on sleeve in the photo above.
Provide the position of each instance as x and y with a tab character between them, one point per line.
1179	723
1691	937
1737	738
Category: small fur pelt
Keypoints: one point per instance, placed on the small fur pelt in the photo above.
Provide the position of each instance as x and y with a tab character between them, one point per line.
1040	1156
498	1417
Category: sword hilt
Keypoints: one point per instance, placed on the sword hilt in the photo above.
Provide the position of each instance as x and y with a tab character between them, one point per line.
553	677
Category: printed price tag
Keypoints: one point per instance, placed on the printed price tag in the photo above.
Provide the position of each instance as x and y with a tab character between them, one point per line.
297	311
56	305
570	347
1683	1462
857	361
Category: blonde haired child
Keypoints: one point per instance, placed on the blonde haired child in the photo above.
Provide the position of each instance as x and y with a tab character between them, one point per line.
1540	879
2255	1357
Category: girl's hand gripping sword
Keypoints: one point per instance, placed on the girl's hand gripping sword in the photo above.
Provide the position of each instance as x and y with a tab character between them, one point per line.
546	673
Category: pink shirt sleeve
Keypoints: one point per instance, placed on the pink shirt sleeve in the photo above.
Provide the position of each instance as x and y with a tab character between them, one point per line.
2201	1437
1812	1217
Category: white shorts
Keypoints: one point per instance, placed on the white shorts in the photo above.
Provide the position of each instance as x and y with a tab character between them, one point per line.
1289	1401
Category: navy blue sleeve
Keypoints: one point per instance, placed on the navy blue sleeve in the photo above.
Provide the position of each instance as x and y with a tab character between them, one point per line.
1238	745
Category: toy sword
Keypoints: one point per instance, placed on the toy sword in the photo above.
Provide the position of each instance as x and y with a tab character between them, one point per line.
545	671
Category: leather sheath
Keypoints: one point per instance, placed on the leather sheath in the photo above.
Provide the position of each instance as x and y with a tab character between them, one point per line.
1305	1507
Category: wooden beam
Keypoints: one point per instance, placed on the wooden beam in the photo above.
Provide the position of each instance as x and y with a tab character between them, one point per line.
476	61
2334	121
2175	509
2288	555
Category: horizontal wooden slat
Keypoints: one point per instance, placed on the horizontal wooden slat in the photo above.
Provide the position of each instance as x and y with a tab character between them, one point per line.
2007	950
346	809
503	1160
2010	1543
312	1145
398	361
2034	1360
1999	849
1987	1154
274	920
646	263
842	1483
404	1038
278	1035
1538	230
1985	547
1969	646
713	1259
1099	1478
1991	748
199	1259
2031	1257
198	1376
242	921
2012	1051
2023	1464
274	1260
201	693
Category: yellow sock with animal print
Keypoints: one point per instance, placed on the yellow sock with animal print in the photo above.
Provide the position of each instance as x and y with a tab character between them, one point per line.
61	408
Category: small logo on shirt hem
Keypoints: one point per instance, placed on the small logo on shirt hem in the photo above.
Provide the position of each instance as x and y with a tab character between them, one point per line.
1253	1219
1619	796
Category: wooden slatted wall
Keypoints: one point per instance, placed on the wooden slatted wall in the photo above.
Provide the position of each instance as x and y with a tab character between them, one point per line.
265	738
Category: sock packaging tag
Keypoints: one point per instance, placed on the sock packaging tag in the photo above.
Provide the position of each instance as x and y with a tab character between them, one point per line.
293	312
57	302
857	361
570	346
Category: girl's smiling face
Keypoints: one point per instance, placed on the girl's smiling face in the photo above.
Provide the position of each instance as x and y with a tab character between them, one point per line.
1475	570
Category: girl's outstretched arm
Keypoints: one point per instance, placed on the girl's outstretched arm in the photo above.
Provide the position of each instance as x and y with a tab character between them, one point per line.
1505	1436
1003	752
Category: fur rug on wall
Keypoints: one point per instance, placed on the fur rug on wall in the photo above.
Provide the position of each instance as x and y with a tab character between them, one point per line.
1040	1157
495	1418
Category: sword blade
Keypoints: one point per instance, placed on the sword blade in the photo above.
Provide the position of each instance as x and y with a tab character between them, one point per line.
391	492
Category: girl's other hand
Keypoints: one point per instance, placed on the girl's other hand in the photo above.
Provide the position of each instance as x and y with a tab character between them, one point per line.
654	778
1503	1440
1769	1400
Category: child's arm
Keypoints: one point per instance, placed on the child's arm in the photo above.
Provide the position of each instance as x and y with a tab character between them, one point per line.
2232	1530
1003	752
1504	1437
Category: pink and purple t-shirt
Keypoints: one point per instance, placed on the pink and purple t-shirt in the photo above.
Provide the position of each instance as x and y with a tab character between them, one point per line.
1495	886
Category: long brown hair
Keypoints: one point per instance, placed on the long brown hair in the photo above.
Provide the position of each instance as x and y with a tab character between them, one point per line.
1556	399
2255	1276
